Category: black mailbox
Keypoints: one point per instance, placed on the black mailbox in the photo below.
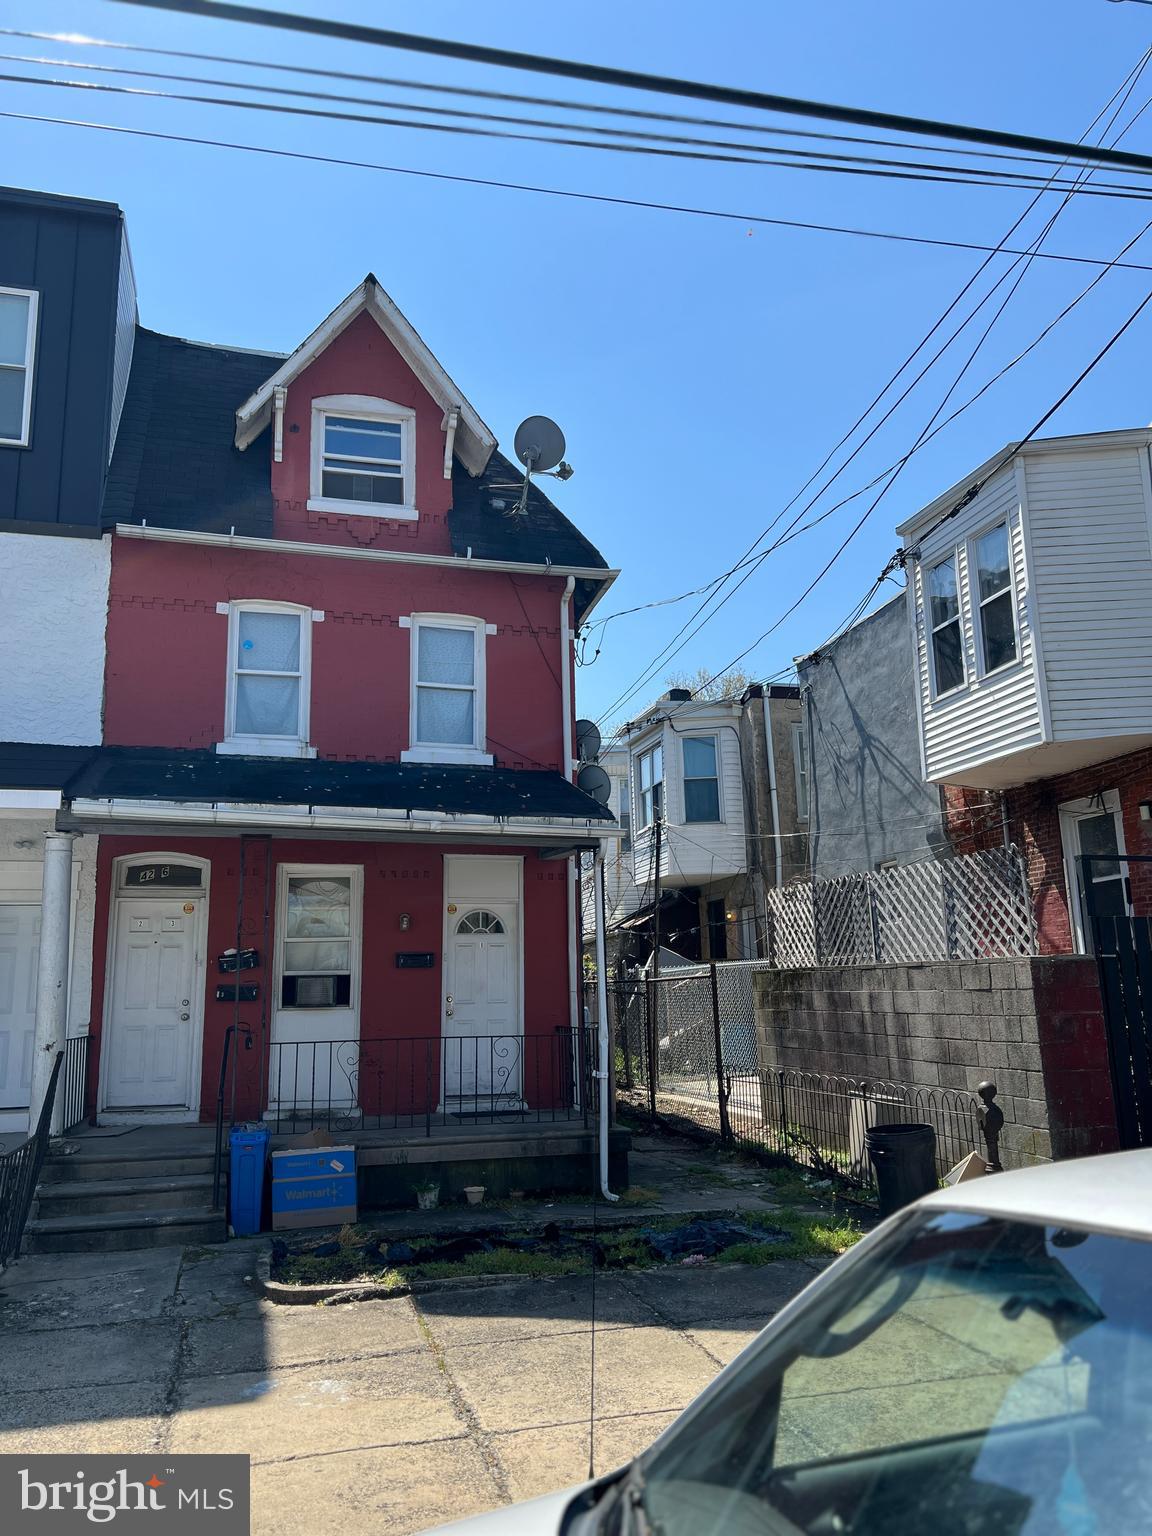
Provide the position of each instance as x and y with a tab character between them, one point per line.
415	960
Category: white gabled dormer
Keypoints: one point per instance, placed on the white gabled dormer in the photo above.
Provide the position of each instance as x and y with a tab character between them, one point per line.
1032	608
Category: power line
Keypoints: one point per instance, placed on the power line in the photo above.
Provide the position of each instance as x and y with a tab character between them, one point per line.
785	158
651	205
600	74
1118	99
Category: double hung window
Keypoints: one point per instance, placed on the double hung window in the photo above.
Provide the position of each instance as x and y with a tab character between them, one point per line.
447	709
17	353
996	603
267	708
701	781
649	786
944	619
363	456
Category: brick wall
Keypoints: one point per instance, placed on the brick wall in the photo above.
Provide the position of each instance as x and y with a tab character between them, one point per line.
1034	826
1032	1026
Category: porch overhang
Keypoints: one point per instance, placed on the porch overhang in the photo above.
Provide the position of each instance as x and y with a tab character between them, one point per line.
156	816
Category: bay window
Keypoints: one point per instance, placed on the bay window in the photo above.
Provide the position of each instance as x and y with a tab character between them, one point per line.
996	602
947	641
649	787
701	781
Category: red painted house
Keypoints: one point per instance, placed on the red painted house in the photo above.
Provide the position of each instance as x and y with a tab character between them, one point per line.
335	799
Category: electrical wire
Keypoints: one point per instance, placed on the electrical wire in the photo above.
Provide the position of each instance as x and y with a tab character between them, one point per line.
784	158
651	205
537	63
1123	92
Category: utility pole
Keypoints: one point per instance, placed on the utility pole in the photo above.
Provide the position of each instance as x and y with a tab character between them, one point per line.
656	901
653	988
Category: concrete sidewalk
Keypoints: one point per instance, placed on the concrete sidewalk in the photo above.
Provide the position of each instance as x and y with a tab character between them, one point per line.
384	1416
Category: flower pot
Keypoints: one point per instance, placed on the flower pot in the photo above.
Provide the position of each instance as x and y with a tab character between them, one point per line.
427	1199
474	1193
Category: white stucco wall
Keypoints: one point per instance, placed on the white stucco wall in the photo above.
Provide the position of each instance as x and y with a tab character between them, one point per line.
20	877
53	617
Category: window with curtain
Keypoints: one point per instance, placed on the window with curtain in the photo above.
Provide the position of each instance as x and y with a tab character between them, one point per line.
17	347
649	786
446	686
701	784
316	968
944	620
268	674
995	598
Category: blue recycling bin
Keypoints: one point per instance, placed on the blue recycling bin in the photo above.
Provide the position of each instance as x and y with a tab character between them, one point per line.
247	1160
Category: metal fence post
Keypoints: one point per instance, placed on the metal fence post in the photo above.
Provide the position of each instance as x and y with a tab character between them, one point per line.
718	1051
650	1040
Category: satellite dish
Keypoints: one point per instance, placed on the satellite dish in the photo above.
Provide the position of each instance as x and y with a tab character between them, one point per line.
539	443
595	782
587	741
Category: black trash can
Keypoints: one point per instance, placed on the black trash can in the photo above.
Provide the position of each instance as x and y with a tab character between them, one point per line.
904	1157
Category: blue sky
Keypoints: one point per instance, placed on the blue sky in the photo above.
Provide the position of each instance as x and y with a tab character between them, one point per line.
701	369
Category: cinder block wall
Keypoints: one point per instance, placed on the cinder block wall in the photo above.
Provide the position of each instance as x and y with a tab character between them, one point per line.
1034	1027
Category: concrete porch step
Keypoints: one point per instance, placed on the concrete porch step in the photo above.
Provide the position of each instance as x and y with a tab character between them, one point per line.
113	1231
74	1168
93	1197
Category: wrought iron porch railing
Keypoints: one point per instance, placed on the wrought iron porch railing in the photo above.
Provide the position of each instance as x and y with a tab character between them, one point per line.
74	1081
20	1173
424	1084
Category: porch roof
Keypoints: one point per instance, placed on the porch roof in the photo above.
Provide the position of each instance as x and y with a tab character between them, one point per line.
206	777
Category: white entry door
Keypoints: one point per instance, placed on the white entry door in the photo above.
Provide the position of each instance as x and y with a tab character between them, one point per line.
482	1027
19	957
154	1008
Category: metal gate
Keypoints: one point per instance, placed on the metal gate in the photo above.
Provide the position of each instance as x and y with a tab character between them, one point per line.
1122	943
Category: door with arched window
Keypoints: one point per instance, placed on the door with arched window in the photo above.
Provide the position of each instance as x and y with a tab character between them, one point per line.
482	1032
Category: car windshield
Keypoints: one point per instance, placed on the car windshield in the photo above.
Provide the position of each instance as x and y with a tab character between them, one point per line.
972	1375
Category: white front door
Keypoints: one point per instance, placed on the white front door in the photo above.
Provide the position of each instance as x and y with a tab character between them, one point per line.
153	1013
482	1028
315	1059
19	958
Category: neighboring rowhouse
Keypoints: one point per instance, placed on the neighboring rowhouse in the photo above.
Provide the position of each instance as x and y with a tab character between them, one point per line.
1024	646
717	796
67	323
334	797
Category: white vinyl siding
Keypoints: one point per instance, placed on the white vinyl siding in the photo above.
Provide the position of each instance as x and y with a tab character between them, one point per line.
1089	527
989	716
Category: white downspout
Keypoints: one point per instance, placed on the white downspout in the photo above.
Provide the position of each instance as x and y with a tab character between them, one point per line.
603	1076
566	768
51	1028
772	795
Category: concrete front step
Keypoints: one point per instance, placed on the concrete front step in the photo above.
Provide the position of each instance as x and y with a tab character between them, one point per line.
113	1231
116	1166
94	1197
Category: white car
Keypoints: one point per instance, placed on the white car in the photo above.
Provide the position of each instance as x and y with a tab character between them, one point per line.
979	1365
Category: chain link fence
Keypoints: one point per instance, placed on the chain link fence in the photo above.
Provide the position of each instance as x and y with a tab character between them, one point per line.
686	1056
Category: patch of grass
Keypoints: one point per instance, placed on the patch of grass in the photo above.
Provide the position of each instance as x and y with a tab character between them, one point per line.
640	1194
340	1269
501	1261
811	1236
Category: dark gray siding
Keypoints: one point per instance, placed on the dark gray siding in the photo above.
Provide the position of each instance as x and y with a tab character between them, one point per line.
868	802
69	252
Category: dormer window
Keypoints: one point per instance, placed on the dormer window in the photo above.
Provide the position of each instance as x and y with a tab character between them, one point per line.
363	457
17	352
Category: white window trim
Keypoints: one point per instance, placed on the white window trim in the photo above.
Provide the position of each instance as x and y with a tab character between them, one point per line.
439	751
714	738
977	605
372	409
930	629
640	828
29	365
352	872
1069	814
267	746
800	771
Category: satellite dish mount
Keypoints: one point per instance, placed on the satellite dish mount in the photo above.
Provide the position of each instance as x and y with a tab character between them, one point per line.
539	445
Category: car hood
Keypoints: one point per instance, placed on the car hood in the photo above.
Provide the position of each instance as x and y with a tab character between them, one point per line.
537	1517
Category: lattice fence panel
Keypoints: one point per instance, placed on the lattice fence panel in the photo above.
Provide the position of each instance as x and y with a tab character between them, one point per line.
968	908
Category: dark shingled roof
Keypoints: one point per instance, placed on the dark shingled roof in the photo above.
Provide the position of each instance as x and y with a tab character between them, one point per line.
154	773
176	464
37	765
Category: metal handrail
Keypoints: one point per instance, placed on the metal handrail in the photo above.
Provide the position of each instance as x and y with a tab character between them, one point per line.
20	1173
